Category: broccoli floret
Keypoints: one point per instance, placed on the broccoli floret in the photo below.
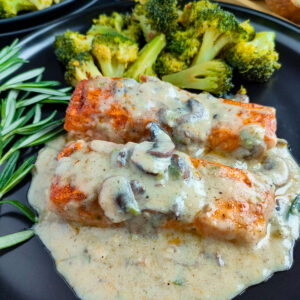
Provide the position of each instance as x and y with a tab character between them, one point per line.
191	10
10	8
155	16
255	60
219	30
132	30
168	63
121	23
185	44
249	30
70	43
146	58
113	53
115	20
100	29
212	76
81	67
139	16
162	14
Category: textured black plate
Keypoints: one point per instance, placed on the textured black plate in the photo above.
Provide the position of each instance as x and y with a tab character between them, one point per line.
27	272
28	22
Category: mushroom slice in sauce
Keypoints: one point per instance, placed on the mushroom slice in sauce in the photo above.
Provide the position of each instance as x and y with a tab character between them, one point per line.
117	200
148	162
154	157
163	145
276	168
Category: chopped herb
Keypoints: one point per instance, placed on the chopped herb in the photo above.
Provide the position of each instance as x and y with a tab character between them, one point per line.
295	206
174	171
178	281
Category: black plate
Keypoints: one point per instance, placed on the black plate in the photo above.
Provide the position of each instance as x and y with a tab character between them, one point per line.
24	16
27	272
28	22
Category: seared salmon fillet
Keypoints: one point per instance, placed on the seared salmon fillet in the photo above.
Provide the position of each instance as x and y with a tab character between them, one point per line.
103	184
118	110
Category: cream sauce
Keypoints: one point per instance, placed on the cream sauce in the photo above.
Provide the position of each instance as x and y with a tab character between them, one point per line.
190	118
113	263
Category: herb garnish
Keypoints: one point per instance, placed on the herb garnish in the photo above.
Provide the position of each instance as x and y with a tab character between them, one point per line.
22	126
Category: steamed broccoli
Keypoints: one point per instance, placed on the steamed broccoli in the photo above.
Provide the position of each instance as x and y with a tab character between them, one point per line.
213	76
255	60
146	58
115	21
100	29
192	9
121	23
132	29
162	14
10	8
249	31
139	16
219	29
156	16
168	63
113	53
184	43
81	67
68	44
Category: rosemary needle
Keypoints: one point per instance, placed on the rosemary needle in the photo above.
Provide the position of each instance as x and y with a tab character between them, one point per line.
22	125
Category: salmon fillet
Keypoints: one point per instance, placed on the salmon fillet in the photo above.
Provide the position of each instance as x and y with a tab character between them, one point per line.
118	110
204	197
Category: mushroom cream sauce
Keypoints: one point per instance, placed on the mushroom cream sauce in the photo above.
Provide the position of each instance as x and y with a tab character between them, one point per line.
113	263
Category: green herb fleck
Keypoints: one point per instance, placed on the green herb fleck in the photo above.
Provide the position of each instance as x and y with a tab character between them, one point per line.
178	281
174	171
295	206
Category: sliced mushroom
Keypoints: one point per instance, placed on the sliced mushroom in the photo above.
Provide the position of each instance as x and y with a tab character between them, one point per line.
154	157
162	149
163	145
148	162
156	133
277	169
117	200
178	167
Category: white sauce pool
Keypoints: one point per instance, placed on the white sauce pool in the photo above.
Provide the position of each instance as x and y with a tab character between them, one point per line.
115	264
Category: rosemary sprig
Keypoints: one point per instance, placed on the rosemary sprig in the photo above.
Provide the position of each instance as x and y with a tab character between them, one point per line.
23	208
17	176
22	125
15	238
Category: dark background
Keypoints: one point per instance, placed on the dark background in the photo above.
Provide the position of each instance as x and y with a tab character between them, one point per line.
27	271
